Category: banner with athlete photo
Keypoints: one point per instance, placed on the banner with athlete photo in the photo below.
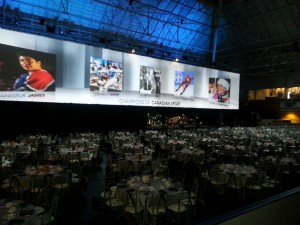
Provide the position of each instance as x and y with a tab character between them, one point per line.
150	83
219	90
26	70
184	84
105	75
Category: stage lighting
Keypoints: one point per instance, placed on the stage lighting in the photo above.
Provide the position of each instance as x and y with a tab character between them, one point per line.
149	51
185	57
164	54
50	28
104	41
42	21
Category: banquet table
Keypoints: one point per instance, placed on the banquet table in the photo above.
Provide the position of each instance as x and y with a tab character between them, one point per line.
17	212
144	186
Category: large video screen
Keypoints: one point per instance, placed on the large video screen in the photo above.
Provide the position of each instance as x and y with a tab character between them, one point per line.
40	69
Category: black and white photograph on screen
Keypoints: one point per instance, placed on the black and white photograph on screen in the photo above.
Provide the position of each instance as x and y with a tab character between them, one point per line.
26	70
184	84
219	90
105	75
150	81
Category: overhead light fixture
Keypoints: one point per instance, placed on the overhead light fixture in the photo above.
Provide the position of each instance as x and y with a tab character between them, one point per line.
164	54
104	40
17	21
42	21
62	30
149	51
9	19
50	28
185	57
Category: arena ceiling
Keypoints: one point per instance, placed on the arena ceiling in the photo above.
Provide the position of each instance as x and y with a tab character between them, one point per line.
251	37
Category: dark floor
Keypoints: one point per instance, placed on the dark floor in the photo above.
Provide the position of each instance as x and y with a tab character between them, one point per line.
77	205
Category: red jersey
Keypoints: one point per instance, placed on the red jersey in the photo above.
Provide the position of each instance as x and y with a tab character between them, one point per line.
39	80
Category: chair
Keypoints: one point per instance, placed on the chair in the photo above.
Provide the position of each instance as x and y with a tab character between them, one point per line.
42	203
85	158
37	183
50	216
23	149
177	210
193	196
54	157
48	180
157	206
110	178
254	186
146	167
180	176
61	182
132	205
131	169
73	159
113	199
20	185
121	169
75	180
268	186
217	179
6	184
111	196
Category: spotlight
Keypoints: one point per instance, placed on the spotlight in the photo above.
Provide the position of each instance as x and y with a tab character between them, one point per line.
185	57
16	21
9	19
104	40
42	21
50	28
177	59
149	51
133	51
62	30
164	54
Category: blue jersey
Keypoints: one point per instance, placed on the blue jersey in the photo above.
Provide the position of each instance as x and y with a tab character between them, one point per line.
19	84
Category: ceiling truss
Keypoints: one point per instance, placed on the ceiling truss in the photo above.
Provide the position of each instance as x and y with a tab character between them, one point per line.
253	37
